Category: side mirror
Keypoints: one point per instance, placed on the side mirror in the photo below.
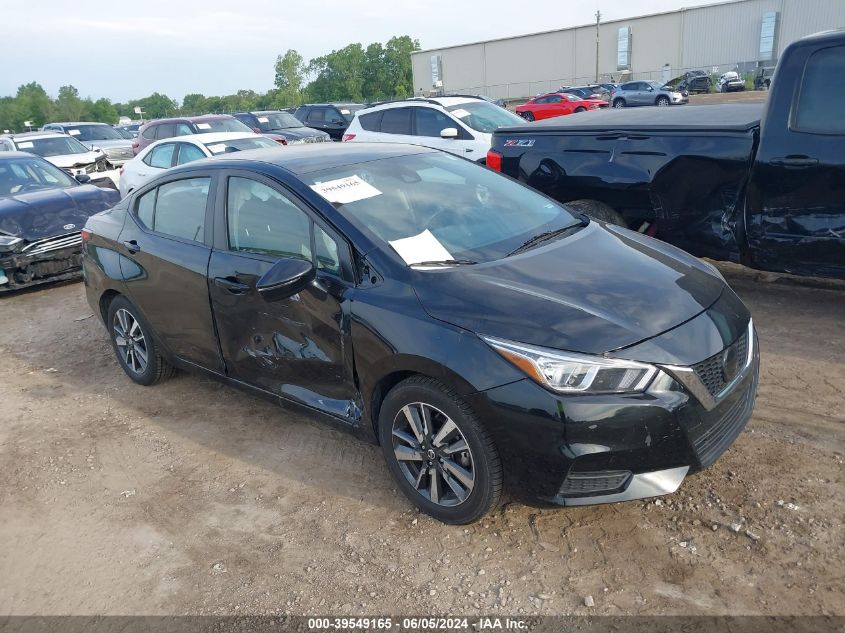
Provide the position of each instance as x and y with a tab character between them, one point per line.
82	178
287	277
449	132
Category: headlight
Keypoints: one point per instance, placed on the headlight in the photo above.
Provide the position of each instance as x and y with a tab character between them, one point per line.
8	243
566	372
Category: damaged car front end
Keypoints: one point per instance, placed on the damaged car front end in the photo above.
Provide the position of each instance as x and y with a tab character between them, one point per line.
42	211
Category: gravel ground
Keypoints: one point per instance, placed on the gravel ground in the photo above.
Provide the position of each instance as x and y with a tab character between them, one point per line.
191	497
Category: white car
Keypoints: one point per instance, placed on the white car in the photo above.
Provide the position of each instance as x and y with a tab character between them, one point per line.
66	153
460	125
169	152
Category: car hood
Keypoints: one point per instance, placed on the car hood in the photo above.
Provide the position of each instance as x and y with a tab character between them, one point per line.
104	143
599	290
39	214
299	132
67	161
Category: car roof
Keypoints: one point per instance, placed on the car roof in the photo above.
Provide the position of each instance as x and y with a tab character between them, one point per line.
17	154
303	159
210	137
39	134
77	123
336	104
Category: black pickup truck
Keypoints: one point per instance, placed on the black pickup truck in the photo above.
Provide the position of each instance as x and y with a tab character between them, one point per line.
760	184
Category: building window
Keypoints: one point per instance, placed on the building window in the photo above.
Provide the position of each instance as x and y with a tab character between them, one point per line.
768	36
623	49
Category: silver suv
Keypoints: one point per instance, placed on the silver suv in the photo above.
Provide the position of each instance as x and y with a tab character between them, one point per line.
646	93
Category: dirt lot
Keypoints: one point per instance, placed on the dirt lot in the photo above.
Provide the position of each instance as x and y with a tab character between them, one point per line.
191	497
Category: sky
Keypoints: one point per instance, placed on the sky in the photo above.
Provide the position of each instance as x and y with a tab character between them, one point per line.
216	47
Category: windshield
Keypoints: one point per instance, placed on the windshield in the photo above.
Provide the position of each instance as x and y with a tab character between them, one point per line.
272	121
570	97
238	144
56	146
472	212
484	117
20	175
93	132
124	133
348	110
222	125
656	85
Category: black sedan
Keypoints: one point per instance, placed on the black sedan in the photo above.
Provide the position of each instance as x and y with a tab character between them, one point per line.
480	332
42	211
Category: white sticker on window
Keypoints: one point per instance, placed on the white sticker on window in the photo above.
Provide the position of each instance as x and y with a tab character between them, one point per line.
216	149
203	126
263	119
73	132
346	190
26	145
342	111
421	248
460	113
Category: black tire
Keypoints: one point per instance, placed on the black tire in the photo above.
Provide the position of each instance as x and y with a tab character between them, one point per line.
580	109
482	455
619	103
528	116
155	368
598	211
662	101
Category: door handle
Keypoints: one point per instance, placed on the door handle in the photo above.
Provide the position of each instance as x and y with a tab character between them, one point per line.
795	162
232	285
131	246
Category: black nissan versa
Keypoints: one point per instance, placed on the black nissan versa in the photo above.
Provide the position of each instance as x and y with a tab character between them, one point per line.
481	333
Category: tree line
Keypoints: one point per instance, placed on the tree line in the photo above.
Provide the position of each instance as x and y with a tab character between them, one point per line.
353	73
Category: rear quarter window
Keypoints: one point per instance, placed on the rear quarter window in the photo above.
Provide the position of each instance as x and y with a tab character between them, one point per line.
822	93
371	122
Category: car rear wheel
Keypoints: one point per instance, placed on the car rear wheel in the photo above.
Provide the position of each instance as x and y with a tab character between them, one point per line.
618	103
662	101
134	346
438	452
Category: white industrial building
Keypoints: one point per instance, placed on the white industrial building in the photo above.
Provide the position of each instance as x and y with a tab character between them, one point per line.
738	35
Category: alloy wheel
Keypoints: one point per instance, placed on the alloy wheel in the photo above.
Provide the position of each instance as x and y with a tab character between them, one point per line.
130	341
433	454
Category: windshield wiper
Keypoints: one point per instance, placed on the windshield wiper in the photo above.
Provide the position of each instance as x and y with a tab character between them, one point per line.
547	235
446	262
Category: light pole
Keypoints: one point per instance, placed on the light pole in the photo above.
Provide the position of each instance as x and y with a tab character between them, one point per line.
598	21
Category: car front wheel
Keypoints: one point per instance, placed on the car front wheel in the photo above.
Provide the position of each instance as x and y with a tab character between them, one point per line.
663	101
436	448
133	344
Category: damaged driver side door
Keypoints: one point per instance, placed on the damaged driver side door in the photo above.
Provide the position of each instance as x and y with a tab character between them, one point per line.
297	347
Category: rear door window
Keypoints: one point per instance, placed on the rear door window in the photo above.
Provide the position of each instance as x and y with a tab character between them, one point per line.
822	93
317	115
189	152
161	157
396	121
180	208
165	130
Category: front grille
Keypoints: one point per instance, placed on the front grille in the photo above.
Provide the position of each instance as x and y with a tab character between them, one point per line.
713	440
52	244
709	371
594	482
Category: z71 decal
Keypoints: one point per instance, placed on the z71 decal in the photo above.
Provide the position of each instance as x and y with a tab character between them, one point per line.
519	142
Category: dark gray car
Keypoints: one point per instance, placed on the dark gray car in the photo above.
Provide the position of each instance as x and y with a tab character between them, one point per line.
283	123
100	135
646	93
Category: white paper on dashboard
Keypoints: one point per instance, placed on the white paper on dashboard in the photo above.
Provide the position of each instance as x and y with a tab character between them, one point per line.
421	248
74	132
26	145
345	190
263	119
460	113
203	126
217	148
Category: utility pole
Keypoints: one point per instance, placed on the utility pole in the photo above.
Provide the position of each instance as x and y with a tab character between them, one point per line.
598	21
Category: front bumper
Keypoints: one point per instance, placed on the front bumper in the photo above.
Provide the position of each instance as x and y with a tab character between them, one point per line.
52	259
585	450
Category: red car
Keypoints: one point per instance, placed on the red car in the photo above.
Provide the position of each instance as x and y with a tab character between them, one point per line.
556	104
181	126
